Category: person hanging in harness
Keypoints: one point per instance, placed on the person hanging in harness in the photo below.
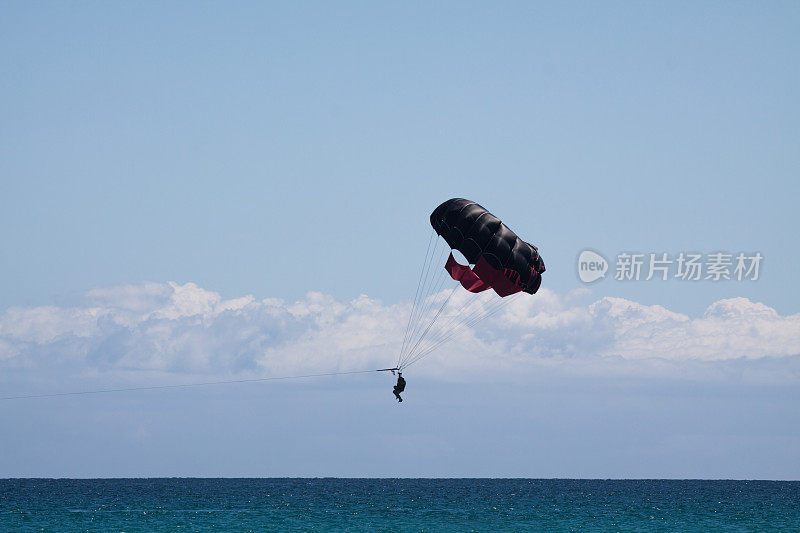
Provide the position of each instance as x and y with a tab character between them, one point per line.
400	387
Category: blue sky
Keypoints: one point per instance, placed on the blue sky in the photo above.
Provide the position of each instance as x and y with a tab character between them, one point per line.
277	149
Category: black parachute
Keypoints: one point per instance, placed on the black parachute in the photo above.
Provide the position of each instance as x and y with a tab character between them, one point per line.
498	260
476	233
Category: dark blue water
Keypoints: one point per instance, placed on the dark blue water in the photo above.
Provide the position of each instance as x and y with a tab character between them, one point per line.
397	505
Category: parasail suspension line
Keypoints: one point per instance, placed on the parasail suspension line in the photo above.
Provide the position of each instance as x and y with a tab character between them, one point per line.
425	264
187	385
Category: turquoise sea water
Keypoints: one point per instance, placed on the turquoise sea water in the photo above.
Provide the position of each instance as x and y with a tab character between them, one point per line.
397	505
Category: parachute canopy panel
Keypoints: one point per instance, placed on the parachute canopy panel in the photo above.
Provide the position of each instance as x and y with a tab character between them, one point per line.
502	260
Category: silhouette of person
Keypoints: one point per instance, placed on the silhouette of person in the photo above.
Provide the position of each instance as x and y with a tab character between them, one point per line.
400	387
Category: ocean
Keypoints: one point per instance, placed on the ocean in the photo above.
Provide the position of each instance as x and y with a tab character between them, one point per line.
328	504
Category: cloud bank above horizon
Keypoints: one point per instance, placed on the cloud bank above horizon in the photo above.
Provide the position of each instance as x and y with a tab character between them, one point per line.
170	328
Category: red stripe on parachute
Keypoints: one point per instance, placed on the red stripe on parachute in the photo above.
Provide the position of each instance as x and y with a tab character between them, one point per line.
480	278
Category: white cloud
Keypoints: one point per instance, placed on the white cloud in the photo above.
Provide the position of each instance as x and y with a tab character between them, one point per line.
729	329
184	328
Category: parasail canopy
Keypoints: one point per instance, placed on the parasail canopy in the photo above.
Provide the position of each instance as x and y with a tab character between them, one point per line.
502	260
498	260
